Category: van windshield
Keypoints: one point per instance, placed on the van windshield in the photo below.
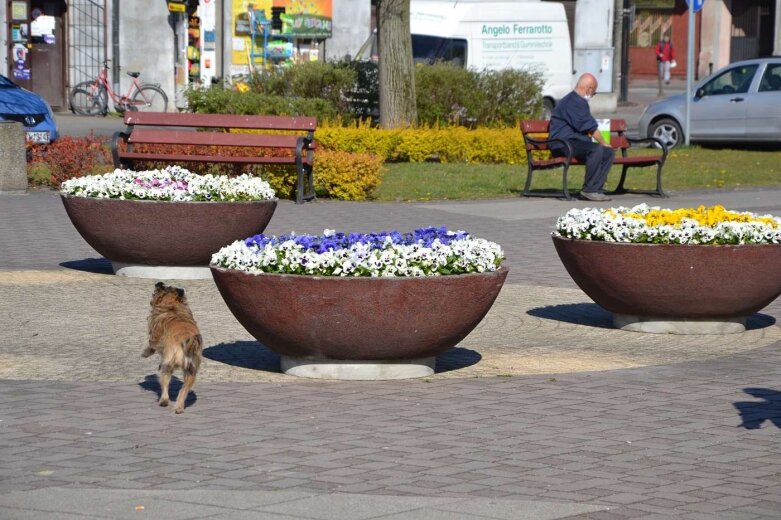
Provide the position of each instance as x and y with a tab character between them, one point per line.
432	49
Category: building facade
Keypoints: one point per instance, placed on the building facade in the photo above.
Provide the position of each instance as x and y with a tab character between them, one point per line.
725	31
52	45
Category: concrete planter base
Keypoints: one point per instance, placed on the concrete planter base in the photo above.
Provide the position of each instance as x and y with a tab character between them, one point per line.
679	325
318	367
161	272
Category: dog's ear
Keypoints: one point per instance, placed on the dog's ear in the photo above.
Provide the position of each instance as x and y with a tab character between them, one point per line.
159	285
180	292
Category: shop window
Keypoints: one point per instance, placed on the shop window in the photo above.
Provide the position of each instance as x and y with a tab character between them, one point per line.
649	27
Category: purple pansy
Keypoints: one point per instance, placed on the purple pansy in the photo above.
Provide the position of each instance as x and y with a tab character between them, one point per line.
375	241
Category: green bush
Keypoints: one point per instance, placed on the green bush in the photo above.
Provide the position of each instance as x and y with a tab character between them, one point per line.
219	100
312	79
349	90
508	96
454	96
446	94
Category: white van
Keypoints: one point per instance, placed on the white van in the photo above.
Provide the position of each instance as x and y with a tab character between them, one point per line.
495	35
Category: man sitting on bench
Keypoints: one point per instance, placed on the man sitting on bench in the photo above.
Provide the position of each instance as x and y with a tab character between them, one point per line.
572	121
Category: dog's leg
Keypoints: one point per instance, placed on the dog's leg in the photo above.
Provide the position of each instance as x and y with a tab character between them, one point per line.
166	371
189	381
148	350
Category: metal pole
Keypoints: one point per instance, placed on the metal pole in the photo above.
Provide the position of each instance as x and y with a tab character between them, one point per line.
114	44
689	72
623	97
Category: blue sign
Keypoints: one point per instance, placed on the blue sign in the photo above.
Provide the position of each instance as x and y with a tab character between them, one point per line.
697	4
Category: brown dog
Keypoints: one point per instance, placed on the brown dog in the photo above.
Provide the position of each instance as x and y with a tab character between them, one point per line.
174	335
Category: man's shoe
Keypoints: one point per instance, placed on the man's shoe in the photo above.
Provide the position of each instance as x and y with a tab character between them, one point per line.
594	196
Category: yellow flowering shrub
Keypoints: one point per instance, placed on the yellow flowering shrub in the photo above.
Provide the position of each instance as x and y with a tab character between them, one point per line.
448	144
337	175
347	176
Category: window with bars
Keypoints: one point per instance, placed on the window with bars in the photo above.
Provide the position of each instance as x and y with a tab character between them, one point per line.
649	27
86	39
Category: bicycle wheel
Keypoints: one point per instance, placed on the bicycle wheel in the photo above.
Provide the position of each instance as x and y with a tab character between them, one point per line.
89	99
149	98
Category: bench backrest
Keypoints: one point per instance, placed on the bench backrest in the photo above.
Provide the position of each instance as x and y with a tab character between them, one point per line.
291	123
539	128
147	128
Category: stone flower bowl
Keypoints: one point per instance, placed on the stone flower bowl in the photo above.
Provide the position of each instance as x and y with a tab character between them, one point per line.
164	239
358	327
683	289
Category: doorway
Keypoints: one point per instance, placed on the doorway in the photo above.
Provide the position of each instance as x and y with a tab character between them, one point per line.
47	50
752	29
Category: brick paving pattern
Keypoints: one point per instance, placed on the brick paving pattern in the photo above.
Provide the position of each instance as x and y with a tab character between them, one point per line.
544	412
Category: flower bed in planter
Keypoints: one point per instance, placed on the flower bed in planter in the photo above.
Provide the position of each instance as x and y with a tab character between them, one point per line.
360	306
165	223
687	271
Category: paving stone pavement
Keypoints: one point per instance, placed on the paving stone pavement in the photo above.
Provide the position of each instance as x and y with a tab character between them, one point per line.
543	412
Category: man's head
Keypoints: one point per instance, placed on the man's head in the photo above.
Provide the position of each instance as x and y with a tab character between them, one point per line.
666	38
586	86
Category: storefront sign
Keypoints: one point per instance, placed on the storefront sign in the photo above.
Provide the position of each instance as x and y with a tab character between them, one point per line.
308	26
19	10
310	19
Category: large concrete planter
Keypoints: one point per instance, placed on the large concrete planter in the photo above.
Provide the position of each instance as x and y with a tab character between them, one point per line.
684	289
358	328
161	239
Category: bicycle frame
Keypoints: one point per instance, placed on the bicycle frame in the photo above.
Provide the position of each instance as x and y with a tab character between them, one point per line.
116	98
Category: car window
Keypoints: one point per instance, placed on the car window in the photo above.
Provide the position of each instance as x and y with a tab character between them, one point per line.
771	79
736	80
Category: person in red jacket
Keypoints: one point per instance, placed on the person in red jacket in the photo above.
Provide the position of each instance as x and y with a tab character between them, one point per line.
665	57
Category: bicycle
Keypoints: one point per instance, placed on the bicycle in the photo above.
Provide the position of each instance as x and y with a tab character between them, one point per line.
90	98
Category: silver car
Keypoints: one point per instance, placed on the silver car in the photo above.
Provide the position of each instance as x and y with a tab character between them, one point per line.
739	103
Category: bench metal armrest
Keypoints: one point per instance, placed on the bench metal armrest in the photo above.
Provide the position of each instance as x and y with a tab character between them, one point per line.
115	146
567	146
651	140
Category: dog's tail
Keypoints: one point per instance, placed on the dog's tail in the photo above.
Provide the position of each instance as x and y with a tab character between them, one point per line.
192	347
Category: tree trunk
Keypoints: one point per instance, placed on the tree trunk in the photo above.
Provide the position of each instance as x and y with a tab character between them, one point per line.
396	70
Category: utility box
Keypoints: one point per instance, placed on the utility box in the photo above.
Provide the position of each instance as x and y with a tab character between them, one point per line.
597	61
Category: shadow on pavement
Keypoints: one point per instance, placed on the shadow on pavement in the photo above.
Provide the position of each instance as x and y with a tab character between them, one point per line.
754	413
589	314
91	265
152	384
592	315
244	354
255	356
456	358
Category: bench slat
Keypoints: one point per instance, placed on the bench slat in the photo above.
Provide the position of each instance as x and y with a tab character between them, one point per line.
139	136
139	156
221	121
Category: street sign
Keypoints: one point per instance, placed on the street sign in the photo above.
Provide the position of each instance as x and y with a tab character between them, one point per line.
697	4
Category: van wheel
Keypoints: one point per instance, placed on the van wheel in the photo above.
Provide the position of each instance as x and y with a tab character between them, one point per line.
547	108
668	131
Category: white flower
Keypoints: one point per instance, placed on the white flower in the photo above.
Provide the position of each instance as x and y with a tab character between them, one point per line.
172	183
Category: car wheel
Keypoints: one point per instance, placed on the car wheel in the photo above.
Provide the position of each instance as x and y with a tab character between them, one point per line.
668	131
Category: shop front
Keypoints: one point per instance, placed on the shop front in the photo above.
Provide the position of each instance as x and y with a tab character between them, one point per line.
36	47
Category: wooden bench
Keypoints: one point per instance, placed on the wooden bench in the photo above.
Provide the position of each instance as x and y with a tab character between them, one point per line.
204	132
535	134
